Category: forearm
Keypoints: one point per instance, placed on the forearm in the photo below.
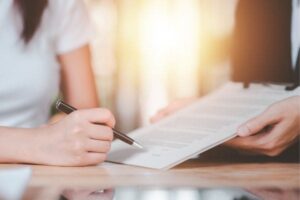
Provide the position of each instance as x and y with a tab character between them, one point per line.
73	141
77	78
18	145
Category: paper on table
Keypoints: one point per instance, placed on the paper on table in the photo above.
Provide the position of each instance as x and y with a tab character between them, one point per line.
205	124
13	182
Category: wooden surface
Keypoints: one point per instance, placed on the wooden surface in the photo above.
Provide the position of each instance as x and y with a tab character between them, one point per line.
191	173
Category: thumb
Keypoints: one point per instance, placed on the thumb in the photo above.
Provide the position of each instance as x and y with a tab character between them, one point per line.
257	124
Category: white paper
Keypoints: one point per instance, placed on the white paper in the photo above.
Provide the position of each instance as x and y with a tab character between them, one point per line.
207	123
13	182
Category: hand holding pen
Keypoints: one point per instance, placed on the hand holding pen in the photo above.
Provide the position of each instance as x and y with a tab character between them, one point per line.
65	108
75	140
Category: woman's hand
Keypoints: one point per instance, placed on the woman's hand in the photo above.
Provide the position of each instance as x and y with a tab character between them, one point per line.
271	132
75	140
172	108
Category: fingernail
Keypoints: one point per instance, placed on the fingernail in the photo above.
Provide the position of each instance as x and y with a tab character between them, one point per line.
243	131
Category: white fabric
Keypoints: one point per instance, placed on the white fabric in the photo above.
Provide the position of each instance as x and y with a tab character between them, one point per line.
30	74
295	31
13	182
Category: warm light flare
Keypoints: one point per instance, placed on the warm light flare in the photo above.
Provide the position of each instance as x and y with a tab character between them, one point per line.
169	45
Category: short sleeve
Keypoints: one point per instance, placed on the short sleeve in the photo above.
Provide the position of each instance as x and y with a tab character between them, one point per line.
73	27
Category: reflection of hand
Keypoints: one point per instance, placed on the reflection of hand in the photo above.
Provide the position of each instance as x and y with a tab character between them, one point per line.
271	132
172	108
75	140
276	194
106	194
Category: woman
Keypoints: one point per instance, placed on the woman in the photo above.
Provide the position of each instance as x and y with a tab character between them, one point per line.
44	47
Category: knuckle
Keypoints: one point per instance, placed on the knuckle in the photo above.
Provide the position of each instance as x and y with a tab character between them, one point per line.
80	159
273	153
108	133
110	136
103	157
76	129
270	146
100	158
78	146
264	144
108	116
107	146
260	143
107	113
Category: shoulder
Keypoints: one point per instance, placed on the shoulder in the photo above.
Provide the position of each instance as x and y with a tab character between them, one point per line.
66	13
65	16
63	7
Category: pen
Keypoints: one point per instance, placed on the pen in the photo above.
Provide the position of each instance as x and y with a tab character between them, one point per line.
65	108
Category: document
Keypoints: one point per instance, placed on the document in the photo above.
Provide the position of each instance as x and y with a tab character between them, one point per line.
210	121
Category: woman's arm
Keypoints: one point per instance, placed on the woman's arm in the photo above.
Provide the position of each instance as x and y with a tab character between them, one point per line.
73	141
78	84
77	80
17	145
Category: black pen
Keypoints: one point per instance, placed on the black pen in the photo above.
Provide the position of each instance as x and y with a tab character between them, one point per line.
65	108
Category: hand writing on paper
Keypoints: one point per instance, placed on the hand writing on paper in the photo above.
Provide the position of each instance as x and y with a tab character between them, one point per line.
76	140
271	132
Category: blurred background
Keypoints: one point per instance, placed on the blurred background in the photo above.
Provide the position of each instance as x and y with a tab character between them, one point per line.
147	53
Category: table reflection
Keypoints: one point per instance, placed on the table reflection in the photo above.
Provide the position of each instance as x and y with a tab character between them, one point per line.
87	194
150	193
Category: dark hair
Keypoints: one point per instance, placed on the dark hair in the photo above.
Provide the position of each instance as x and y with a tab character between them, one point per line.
31	12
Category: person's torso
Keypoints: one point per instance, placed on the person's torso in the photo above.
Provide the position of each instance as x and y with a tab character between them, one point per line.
262	42
29	74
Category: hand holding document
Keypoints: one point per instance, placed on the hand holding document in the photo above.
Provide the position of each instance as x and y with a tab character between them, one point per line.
201	126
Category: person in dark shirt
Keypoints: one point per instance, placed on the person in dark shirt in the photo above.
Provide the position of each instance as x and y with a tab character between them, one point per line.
263	52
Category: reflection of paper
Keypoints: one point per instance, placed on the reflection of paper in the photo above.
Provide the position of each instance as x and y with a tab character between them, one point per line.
209	122
13	182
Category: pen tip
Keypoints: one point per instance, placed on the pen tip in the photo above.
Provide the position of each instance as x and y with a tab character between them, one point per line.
137	145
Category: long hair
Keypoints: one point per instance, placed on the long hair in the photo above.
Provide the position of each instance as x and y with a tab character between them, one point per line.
31	12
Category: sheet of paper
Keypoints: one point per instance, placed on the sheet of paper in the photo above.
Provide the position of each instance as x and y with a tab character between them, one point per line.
13	182
207	123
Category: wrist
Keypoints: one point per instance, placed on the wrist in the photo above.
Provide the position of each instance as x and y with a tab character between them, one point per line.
29	148
38	141
16	145
27	151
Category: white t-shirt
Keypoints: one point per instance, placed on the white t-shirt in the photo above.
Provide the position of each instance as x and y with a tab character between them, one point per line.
30	74
295	38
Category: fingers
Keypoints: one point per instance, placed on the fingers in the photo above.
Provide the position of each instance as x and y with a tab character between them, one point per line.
94	158
258	123
96	115
270	143
97	146
240	143
280	138
98	132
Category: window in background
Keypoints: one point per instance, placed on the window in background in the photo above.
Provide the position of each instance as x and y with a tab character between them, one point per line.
150	52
